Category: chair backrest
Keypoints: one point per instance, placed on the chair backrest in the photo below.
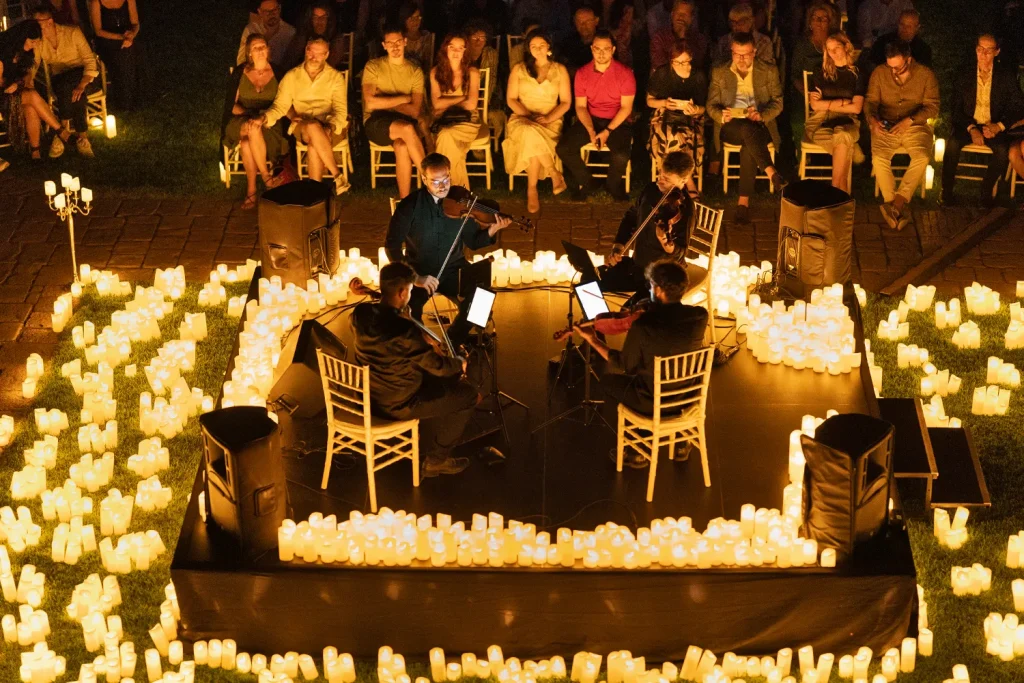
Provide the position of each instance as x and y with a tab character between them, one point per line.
346	389
394	204
483	102
707	224
510	42
347	46
681	383
807	97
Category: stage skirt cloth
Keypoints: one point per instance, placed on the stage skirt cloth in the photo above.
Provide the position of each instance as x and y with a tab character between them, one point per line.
454	142
683	134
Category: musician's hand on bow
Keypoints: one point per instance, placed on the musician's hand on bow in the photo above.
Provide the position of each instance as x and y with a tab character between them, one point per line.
618	251
427	282
500	223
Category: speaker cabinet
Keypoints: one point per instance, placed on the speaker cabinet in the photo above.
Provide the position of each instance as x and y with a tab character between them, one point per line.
299	231
815	236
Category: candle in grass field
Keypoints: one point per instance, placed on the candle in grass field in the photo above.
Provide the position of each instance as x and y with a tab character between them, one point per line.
111	126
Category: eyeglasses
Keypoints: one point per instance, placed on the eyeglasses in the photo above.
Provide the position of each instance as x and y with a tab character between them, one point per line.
393	43
447	180
270	12
986	50
742	55
682	62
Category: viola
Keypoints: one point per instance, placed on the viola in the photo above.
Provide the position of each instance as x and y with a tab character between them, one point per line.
459	202
617	322
359	288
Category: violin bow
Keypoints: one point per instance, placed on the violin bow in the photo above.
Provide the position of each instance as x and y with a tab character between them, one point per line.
647	220
451	250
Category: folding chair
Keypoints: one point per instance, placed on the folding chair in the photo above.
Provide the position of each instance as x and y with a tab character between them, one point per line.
820	171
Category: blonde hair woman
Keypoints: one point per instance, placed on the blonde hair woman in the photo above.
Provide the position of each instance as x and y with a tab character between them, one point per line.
836	92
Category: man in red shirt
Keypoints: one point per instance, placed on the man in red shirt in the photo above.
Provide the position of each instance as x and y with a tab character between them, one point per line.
604	91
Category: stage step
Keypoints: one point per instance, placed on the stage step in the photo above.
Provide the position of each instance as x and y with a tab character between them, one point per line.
960	481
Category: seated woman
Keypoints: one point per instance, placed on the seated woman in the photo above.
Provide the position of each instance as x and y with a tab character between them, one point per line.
25	109
480	54
539	94
252	91
419	47
836	92
821	20
116	25
455	91
677	93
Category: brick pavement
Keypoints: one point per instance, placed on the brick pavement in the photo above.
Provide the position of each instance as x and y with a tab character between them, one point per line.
134	236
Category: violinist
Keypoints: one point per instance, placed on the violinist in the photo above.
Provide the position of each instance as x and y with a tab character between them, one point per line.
665	235
421	226
409	377
666	328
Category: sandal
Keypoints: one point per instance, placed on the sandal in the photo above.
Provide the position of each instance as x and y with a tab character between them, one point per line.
35	154
275	181
249	202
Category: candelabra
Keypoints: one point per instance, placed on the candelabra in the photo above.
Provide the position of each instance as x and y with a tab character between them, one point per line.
66	204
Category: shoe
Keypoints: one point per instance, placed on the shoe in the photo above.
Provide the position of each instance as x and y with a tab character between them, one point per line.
4	164
83	147
779	183
903	221
56	147
341	185
447	466
275	181
558	188
858	155
742	216
630	458
890	214
249	202
491	455
683	452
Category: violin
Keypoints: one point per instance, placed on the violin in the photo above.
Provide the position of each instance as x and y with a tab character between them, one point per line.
460	202
359	288
671	213
617	322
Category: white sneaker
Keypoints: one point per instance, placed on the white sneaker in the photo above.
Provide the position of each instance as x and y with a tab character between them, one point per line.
56	147
84	147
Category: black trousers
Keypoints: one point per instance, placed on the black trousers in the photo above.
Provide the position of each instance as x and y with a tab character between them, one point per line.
458	332
620	145
753	138
63	87
997	161
627	390
126	68
624	276
444	406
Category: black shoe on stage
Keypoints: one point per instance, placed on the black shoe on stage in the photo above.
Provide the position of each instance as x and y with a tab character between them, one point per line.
683	452
448	466
630	458
742	215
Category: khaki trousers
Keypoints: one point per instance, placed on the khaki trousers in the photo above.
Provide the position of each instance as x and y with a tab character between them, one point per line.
917	142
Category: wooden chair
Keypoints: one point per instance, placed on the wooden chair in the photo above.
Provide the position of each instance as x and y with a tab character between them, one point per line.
680	403
342	151
511	42
727	151
707	226
482	169
586	153
347	46
698	173
351	426
1011	176
900	169
978	168
821	171
95	100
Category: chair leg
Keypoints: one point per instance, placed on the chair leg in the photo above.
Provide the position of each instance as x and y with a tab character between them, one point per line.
227	168
702	444
725	171
416	456
654	467
672	446
711	314
327	462
487	160
802	173
374	160
620	440
370	479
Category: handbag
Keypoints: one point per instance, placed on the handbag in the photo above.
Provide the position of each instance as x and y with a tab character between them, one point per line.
452	116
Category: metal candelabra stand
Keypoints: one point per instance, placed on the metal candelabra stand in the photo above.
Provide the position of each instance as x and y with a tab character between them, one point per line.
66	205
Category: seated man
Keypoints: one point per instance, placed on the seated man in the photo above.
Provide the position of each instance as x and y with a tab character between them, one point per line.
908	31
986	101
279	33
902	96
409	379
682	28
741	20
393	106
73	68
667	328
744	100
574	51
604	90
875	18
626	274
314	98
420	225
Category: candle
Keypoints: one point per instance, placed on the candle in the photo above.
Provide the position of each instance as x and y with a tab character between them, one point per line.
50	188
940	150
111	126
929	177
908	655
86	195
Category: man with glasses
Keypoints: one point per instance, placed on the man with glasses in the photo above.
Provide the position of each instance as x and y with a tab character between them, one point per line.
902	96
426	233
574	51
744	100
604	91
279	33
986	101
393	90
741	20
683	16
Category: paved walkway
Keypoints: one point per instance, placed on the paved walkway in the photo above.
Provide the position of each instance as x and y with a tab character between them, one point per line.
135	236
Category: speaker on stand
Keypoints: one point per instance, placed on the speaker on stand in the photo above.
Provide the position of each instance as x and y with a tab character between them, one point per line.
299	231
815	237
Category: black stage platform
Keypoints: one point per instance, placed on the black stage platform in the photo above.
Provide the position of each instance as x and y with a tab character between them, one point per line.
562	477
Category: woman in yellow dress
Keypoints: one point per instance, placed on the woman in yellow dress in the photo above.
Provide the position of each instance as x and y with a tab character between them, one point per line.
455	91
539	94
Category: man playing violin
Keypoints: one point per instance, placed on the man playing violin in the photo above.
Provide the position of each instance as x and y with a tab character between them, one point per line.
421	226
409	377
666	328
665	235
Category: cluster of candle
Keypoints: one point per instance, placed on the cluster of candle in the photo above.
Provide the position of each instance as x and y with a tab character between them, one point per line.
910	356
115	513
72	540
213	292
65	502
1014	337
28	482
28	589
117	663
919	298
99	407
731	282
19	532
1017	588
41	665
1015	551
947	315
136	550
236	305
151	495
50	422
967	336
340	668
891	329
33	627
42	453
93	439
6	430
141	315
817	336
34	369
935	414
172	358
950	533
1003	373
93	597
193	327
1004	636
62	309
981	300
941	383
971	580
152	457
170	281
1016	312
83	334
91	473
109	284
164	632
990	400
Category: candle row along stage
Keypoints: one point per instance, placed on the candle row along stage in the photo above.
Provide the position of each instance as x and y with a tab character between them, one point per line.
1004	635
30	627
935	414
1002	373
952	534
967	336
971	580
938	382
6	430
18	532
990	400
981	300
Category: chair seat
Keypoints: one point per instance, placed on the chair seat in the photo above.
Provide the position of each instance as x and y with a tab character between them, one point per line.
347	423
812	148
690	416
695	277
976	149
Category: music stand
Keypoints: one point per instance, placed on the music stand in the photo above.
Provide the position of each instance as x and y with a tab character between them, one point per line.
579	259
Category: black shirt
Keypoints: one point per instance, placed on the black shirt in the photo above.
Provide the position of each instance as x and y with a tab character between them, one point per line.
647	248
846	86
919	49
665	83
574	53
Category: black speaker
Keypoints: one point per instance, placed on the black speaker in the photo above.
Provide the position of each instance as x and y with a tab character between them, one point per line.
246	490
847	480
815	236
299	231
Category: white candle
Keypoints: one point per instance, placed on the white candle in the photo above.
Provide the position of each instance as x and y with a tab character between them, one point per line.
50	188
86	195
111	126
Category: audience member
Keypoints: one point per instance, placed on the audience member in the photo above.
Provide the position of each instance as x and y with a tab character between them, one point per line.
314	97
419	47
574	51
347	16
73	68
65	12
252	91
902	96
623	24
875	18
677	93
836	93
821	21
555	17
539	95
604	91
494	12
518	51
455	91
682	28
318	21
986	101
277	32
659	17
393	93
115	24
745	98
906	30
480	54
1010	33
741	20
